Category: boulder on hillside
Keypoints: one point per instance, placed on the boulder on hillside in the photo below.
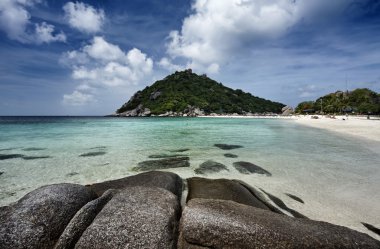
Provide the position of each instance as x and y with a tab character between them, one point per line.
159	179
227	224
287	110
38	219
222	189
136	217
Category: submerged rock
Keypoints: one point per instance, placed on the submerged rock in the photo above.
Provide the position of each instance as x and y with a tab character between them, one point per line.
35	157
228	146
227	224
10	156
166	180
137	217
210	167
295	198
179	150
222	189
372	228
33	149
89	154
38	219
72	174
166	156
1	172
166	163
229	155
248	168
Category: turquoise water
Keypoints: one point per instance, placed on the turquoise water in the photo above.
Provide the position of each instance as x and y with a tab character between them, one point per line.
337	177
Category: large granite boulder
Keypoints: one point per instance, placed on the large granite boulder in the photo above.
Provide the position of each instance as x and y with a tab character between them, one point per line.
82	219
227	224
222	189
136	217
165	180
38	219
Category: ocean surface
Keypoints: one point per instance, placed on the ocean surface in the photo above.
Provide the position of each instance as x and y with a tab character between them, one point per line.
337	177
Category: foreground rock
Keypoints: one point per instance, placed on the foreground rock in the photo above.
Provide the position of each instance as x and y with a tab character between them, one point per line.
38	219
137	217
222	189
226	224
166	180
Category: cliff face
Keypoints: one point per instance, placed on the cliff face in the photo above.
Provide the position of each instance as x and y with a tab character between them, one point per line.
188	94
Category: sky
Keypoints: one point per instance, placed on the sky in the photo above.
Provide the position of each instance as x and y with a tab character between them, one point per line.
89	57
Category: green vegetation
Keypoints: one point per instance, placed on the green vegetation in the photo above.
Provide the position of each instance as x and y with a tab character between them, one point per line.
181	90
360	101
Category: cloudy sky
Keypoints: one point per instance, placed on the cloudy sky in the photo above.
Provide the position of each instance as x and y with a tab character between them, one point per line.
89	57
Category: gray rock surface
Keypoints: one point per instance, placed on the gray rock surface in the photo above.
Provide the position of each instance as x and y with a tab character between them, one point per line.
137	217
222	189
165	163
249	168
226	224
82	219
210	167
228	146
166	180
38	219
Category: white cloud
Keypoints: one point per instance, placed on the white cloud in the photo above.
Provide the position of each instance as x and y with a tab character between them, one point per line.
15	22
217	30
77	98
84	17
103	65
167	64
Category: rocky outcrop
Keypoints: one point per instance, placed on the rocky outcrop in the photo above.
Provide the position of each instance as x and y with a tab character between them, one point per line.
227	224
137	217
287	110
157	179
38	219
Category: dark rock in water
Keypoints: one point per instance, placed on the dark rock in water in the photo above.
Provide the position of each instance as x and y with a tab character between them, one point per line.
229	155
372	228
282	205
38	219
166	156
228	146
158	179
35	157
82	219
295	198
227	224
33	149
166	163
222	189
72	174
98	153
210	167
248	168
98	148
1	172
10	156
179	150
7	149
137	217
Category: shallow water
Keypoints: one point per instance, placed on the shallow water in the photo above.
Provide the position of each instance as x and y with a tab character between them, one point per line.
337	177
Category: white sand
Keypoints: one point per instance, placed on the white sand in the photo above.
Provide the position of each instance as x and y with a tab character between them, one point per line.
360	127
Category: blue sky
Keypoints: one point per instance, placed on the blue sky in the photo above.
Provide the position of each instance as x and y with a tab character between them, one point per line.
89	57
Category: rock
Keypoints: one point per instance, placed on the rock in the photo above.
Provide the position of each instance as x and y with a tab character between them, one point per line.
210	167
35	157
166	180
228	146
10	156
137	217
166	163
166	156
222	189
82	219
372	228
296	198
33	149
146	112
229	155
247	168
179	150
90	154
72	174
1	172
154	95
227	224
38	219
287	110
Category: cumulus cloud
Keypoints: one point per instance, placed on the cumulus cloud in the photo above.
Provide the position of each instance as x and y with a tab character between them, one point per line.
102	64
78	98
84	17
15	22
216	30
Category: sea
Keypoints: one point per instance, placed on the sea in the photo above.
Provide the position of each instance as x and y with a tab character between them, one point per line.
336	176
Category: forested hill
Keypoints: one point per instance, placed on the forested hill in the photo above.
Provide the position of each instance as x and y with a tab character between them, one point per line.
360	101
186	93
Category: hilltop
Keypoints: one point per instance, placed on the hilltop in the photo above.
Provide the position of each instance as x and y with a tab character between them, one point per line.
360	101
188	94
